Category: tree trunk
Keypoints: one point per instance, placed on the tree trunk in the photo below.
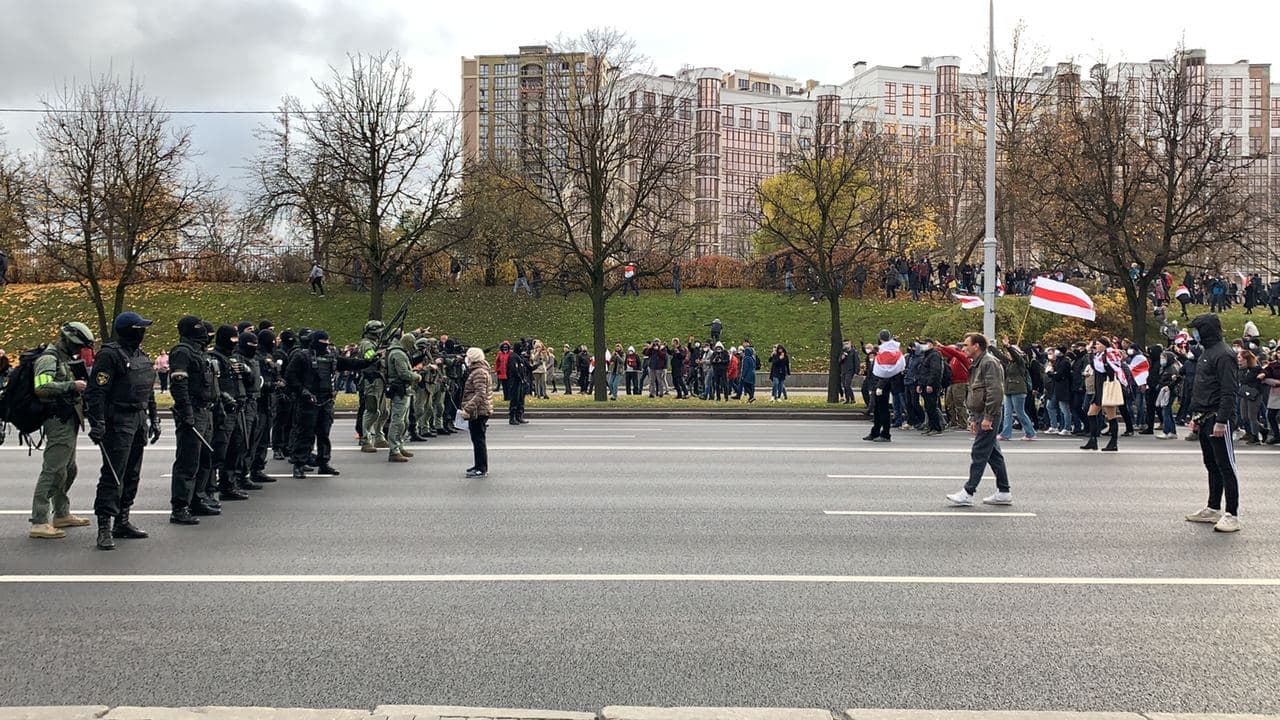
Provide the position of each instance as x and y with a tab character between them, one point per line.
1135	296
837	340
99	305
598	339
121	289
490	275
377	292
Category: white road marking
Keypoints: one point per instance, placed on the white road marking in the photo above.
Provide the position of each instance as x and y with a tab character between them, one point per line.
904	477
934	513
88	513
271	475
644	578
596	437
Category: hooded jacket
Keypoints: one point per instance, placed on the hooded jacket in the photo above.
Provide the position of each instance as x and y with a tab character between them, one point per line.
1217	374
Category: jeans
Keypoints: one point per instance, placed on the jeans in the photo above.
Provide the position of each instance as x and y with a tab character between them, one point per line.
1055	414
521	283
1166	419
613	385
779	387
986	451
1016	404
932	412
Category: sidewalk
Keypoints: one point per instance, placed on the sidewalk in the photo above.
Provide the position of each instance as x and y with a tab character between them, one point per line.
438	712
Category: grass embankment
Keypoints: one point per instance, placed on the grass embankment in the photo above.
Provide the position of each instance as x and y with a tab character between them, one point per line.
31	314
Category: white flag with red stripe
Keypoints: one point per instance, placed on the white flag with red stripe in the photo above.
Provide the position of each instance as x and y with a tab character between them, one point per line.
969	302
1182	291
1061	298
1140	367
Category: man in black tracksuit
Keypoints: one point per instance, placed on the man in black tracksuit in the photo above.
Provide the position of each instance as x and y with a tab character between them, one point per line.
929	379
1213	406
120	404
194	386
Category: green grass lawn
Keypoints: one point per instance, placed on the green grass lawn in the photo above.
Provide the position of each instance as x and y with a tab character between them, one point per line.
31	314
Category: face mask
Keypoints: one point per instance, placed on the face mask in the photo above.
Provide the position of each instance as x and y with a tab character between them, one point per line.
1195	334
131	336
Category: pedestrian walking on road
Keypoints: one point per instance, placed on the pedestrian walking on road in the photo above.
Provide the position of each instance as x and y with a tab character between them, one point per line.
985	404
477	406
1213	404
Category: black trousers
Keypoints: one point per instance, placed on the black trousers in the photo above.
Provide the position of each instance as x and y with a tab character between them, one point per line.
677	378
721	383
240	453
932	411
192	461
881	420
224	425
122	444
1220	461
481	451
262	434
515	408
568	382
311	425
282	423
633	383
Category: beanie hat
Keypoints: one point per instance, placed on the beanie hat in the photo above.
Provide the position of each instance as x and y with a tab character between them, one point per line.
885	336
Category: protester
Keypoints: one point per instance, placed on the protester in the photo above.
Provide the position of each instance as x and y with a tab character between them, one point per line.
477	407
985	403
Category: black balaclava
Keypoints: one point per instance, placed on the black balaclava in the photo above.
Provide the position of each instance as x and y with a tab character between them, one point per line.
266	340
208	332
131	337
248	344
243	325
266	325
192	328
288	340
320	341
225	340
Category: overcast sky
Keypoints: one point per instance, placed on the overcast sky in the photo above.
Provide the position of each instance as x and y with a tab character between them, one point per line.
247	54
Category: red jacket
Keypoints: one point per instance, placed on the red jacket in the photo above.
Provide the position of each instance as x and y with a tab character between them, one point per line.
735	367
958	361
501	366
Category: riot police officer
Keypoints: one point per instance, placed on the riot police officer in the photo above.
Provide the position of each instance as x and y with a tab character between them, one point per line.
310	379
282	425
55	382
231	394
121	409
241	451
269	369
373	400
424	364
194	387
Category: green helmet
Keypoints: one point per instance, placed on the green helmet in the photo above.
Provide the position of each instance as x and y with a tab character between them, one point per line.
77	334
373	327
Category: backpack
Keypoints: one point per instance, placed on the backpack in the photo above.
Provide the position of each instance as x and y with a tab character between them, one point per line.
19	405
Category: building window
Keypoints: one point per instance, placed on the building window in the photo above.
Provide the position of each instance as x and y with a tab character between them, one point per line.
484	70
784	122
727	120
806	122
650	103
890	98
746	117
926	109
908	99
762	120
686	109
743	83
1255	146
1237	122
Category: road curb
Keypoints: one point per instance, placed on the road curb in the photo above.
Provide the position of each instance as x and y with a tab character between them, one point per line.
613	712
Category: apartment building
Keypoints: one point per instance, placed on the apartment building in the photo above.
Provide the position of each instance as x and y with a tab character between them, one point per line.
747	123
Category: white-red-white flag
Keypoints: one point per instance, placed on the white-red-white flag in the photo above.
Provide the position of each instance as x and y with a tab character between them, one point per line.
1140	367
969	302
1063	299
1182	291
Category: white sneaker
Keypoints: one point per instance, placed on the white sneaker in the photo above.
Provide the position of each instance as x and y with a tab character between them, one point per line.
1207	515
1160	435
961	499
1000	498
1228	524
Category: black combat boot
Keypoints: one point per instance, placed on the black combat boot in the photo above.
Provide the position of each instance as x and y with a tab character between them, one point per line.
327	469
125	530
261	477
104	534
1091	423
183	516
244	483
298	472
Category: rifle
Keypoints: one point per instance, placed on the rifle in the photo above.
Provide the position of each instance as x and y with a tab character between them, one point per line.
395	324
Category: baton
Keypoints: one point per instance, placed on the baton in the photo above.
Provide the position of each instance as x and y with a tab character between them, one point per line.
202	440
112	468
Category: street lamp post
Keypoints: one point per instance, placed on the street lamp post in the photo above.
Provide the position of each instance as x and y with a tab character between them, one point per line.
989	279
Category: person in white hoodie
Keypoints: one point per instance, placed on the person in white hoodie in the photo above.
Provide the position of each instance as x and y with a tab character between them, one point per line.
888	364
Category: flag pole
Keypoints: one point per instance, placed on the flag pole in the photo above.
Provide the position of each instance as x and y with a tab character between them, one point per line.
1025	315
989	242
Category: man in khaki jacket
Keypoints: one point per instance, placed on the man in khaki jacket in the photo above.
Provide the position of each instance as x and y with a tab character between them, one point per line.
985	403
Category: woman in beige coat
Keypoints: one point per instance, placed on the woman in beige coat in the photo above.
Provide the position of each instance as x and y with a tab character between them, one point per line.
477	406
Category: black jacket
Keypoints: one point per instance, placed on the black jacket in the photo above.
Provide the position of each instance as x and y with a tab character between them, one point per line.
1217	374
931	369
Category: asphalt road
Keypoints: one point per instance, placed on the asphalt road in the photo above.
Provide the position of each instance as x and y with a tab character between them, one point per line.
985	608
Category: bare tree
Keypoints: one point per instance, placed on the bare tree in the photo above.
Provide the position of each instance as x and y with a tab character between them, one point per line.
838	200
14	198
605	155
115	189
1135	176
496	225
388	161
291	184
